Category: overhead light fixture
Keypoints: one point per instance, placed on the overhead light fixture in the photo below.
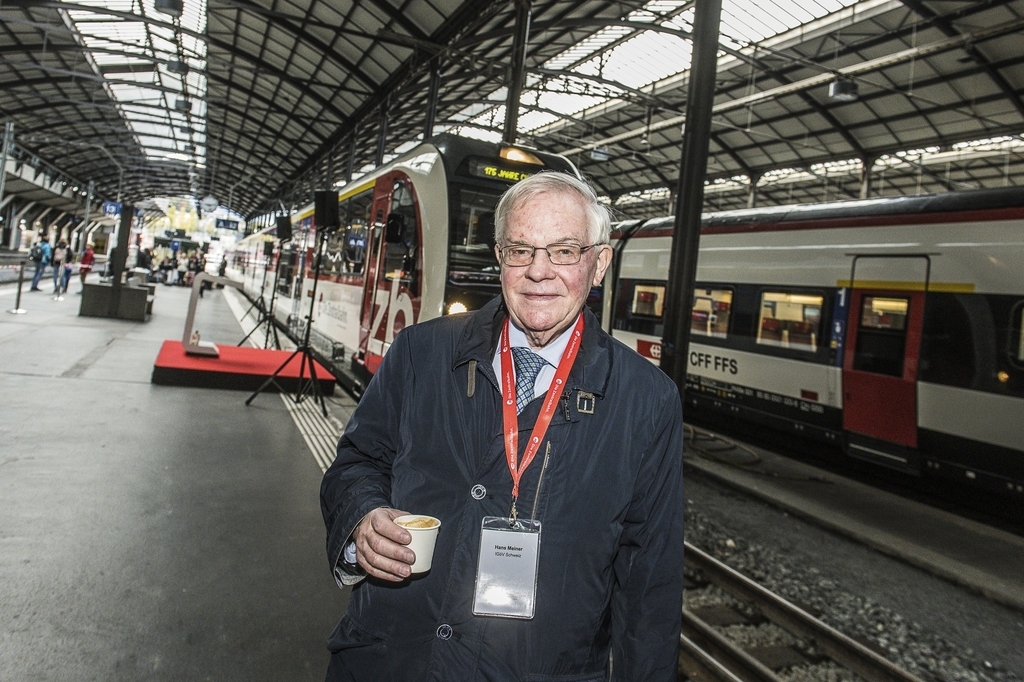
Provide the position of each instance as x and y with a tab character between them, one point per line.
843	90
182	104
600	154
169	7
188	130
190	148
177	66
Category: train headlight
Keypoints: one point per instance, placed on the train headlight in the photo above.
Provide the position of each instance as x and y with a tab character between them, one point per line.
457	307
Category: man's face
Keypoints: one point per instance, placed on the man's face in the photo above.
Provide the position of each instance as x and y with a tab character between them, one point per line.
543	299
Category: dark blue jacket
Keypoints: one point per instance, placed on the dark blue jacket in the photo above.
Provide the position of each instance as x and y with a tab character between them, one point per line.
611	507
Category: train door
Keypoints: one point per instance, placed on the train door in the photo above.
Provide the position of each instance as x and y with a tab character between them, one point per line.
391	286
880	370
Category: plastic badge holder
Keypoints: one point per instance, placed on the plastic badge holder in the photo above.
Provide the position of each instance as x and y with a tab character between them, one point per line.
506	575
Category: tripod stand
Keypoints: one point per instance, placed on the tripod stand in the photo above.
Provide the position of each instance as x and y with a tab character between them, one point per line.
266	315
304	388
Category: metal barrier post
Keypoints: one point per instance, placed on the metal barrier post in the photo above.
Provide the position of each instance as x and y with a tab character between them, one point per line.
18	310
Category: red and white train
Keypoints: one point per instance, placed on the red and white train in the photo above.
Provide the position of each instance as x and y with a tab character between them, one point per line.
416	241
893	327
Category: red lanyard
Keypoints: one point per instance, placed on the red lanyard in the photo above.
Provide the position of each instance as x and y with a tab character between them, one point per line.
511	419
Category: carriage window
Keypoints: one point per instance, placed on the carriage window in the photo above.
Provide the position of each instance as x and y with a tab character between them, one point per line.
884	313
710	314
648	300
790	320
882	337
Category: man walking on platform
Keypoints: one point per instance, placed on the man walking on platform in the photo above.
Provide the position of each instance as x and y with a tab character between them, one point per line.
552	456
40	254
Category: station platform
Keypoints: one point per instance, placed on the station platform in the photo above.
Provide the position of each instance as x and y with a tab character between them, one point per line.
984	559
151	532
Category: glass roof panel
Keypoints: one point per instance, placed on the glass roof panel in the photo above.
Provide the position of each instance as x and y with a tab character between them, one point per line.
637	59
149	38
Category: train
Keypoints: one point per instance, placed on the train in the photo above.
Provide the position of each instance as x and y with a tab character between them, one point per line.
415	241
892	328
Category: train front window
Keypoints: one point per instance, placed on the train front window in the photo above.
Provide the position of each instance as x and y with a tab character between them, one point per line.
710	313
400	255
790	320
882	337
472	229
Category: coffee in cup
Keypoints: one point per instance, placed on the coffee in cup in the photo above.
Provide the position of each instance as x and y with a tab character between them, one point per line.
423	530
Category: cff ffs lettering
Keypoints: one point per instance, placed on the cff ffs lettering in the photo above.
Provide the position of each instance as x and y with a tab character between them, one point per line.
714	362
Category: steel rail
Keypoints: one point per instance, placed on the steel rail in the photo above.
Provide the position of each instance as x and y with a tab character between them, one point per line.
837	646
739	662
697	664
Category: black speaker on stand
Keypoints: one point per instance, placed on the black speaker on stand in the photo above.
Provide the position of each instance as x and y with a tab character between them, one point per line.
284	228
325	219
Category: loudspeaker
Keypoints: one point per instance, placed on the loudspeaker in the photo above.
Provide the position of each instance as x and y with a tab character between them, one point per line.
268	249
325	212
284	228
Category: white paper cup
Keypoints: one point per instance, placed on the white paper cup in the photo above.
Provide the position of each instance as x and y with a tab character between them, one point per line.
423	539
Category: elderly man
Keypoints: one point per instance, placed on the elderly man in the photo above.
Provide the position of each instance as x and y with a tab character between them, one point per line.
522	427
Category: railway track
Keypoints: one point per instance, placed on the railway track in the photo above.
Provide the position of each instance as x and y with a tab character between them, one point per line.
735	630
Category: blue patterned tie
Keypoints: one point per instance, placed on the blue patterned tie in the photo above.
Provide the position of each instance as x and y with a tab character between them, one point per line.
528	365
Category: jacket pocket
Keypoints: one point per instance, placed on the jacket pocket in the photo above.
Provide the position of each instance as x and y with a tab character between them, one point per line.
349	635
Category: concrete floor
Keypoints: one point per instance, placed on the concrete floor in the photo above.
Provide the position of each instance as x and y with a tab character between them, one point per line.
150	532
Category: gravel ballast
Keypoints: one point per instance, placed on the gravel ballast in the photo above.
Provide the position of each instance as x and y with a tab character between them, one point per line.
932	628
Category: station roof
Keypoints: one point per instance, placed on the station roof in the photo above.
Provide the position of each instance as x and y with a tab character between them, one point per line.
258	101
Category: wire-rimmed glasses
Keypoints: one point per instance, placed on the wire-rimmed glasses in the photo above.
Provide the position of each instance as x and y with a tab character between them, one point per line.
521	255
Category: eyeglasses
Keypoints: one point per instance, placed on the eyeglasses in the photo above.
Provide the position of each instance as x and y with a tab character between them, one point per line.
521	255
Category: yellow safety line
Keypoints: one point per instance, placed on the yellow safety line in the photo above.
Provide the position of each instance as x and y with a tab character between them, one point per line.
944	287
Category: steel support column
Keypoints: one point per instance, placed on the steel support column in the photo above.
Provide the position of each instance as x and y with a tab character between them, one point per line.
119	256
752	190
435	89
865	177
8	140
383	138
520	44
690	197
85	218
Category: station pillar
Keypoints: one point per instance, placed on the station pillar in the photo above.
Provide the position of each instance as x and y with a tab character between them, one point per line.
690	196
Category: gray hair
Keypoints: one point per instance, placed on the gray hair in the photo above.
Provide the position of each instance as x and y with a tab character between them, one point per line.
598	218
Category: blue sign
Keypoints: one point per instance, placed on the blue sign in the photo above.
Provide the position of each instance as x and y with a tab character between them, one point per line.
111	208
175	245
223	224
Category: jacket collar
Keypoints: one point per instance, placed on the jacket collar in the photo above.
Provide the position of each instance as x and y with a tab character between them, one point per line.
480	340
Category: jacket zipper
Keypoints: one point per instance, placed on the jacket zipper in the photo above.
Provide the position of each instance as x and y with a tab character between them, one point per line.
540	481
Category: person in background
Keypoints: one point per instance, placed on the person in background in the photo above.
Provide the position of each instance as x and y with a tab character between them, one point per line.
85	267
60	254
40	254
182	268
65	272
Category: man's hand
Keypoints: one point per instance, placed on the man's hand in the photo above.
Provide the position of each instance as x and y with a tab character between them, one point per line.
381	545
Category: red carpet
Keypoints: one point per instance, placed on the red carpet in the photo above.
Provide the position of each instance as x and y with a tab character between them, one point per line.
237	368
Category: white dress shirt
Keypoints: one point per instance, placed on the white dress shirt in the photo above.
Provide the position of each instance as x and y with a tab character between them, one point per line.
551	352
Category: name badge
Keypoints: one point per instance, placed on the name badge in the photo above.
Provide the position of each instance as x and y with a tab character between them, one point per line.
506	569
